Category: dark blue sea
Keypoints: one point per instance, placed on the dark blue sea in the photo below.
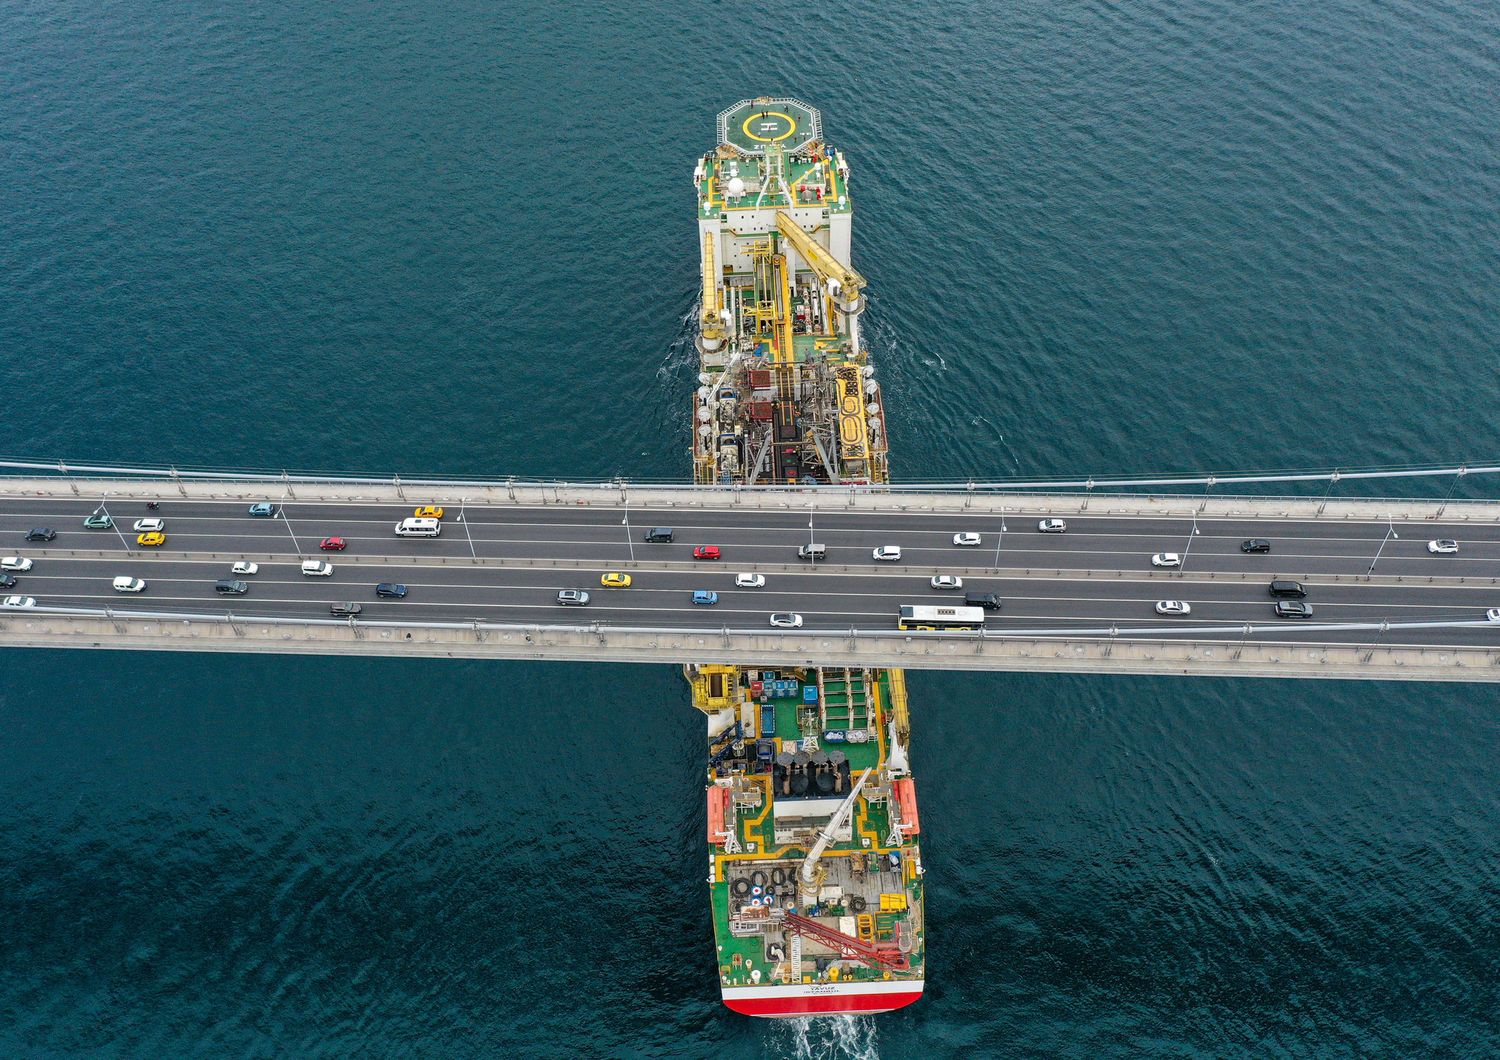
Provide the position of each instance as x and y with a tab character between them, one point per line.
1102	237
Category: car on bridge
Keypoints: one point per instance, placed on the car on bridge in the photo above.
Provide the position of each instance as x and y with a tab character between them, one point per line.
98	521
705	597
786	620
1293	609
706	552
1287	588
1173	607
749	581
18	602
397	591
1166	559
1442	547
887	554
149	526
429	511
152	539
316	568
1492	615
1255	544
969	540
230	587
333	544
345	610
1052	526
244	566
41	533
615	580
947	581
263	509
573	598
126	584
20	564
7	581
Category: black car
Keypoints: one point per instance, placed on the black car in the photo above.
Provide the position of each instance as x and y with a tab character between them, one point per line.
230	587
988	601
1255	544
41	533
345	610
7	581
1293	609
390	590
1288	589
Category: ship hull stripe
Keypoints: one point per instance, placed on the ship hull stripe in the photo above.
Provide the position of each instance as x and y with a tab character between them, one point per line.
822	998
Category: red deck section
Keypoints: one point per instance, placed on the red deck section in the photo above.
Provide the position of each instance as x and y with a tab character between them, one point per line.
851	1004
906	796
718	802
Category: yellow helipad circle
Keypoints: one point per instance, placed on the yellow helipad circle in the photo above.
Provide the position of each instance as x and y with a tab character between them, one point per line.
791	126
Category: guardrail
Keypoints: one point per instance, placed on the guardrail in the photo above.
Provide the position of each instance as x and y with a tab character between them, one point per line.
976	485
1199	650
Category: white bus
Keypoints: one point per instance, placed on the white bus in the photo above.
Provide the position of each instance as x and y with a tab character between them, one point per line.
915	616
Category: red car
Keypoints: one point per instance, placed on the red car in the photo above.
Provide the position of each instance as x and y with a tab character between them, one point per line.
706	552
333	544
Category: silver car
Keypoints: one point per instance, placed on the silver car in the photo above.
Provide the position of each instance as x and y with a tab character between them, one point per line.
1173	607
786	620
947	581
1052	526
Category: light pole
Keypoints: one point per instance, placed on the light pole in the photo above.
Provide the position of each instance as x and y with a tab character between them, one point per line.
629	541
1389	533
281	512
472	554
810	551
1000	537
1183	565
118	532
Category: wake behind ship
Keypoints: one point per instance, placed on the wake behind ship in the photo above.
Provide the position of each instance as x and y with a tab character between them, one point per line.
815	868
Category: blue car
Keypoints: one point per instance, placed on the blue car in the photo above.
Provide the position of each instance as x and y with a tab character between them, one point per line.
704	597
263	508
390	590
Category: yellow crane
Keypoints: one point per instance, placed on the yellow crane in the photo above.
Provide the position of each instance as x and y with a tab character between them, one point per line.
848	284
711	316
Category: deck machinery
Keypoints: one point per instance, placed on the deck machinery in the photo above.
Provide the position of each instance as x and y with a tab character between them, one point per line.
815	871
785	393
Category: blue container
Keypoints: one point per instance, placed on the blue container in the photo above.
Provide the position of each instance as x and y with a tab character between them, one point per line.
809	694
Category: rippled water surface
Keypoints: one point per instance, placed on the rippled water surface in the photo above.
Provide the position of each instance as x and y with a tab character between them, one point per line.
458	237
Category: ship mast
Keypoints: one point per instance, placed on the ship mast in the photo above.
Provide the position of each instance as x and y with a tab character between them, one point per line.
811	877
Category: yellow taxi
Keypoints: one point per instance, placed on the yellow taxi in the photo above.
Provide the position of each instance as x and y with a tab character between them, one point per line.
428	512
152	539
615	580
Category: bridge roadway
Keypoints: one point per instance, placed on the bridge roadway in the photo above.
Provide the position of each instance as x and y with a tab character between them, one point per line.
505	563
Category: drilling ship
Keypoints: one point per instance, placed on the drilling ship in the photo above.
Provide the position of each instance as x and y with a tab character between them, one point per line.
815	870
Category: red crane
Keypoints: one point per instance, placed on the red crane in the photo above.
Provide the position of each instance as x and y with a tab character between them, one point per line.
883	953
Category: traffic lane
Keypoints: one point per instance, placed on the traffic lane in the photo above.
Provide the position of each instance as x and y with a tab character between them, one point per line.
686	520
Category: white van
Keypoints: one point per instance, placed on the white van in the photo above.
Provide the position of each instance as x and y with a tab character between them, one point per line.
419	528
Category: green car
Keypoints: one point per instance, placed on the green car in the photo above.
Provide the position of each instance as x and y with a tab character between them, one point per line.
98	521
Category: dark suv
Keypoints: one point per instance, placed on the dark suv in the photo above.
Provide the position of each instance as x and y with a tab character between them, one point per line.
41	533
988	601
1293	609
1255	544
345	610
230	587
1288	589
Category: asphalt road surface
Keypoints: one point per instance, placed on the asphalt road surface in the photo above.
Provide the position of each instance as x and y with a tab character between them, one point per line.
506	564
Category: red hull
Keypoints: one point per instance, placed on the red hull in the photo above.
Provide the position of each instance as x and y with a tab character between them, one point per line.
855	1002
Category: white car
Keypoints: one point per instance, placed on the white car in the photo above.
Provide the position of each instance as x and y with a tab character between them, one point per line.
749	581
1052	526
947	581
1166	559
1492	615
1442	547
316	568
150	526
244	566
889	553
126	584
16	563
786	620
1173	607
966	539
18	601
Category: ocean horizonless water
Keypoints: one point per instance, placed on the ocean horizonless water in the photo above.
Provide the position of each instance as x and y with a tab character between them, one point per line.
1101	238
